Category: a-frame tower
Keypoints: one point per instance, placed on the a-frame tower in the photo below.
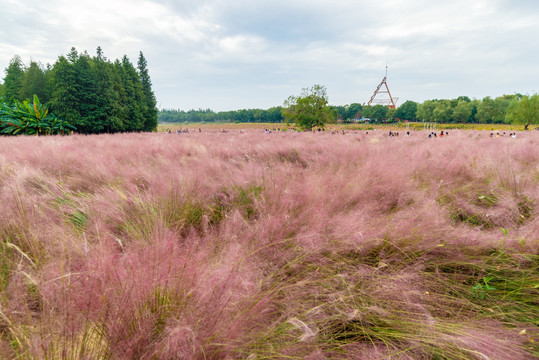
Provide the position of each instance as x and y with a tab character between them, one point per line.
391	102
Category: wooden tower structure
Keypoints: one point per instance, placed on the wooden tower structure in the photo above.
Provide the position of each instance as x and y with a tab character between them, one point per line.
390	102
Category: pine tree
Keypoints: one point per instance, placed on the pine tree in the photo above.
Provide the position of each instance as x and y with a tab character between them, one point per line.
91	93
134	96
120	119
106	94
13	80
64	102
86	93
150	103
34	83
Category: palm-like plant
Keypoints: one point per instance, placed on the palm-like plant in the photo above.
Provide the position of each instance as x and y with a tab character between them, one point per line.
31	119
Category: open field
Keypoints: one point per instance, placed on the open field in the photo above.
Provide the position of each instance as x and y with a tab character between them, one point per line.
351	127
269	246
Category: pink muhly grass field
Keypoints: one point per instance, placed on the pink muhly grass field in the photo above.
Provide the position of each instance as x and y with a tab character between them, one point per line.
284	245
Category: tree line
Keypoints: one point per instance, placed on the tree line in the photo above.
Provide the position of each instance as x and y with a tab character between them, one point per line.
502	109
460	110
91	93
271	115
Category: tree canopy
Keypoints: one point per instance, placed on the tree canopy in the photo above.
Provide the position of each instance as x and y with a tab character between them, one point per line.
310	109
407	111
271	115
93	94
524	110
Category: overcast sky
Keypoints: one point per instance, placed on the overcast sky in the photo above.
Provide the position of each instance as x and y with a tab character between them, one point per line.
234	54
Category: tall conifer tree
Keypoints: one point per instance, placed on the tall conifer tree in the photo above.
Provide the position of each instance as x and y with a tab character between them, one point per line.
150	108
107	99
64	102
13	80
121	114
86	93
91	93
34	83
135	96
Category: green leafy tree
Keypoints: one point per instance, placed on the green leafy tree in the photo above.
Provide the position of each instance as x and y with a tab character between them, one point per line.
475	105
275	114
485	111
377	112
1	90
462	113
354	111
391	114
501	103
443	111
310	109
524	111
149	102
341	112
13	80
407	111
493	110
425	110
367	111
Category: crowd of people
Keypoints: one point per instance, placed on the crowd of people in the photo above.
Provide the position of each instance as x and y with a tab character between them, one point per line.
181	131
391	133
511	134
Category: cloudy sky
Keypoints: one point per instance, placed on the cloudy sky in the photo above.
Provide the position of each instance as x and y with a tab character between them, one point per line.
234	54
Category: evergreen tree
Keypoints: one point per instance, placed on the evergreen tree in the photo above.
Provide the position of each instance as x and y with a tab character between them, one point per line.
91	93
107	99
134	96
86	93
13	80
121	115
34	83
64	102
150	104
73	55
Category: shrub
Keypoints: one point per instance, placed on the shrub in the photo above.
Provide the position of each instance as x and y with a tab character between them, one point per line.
24	118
